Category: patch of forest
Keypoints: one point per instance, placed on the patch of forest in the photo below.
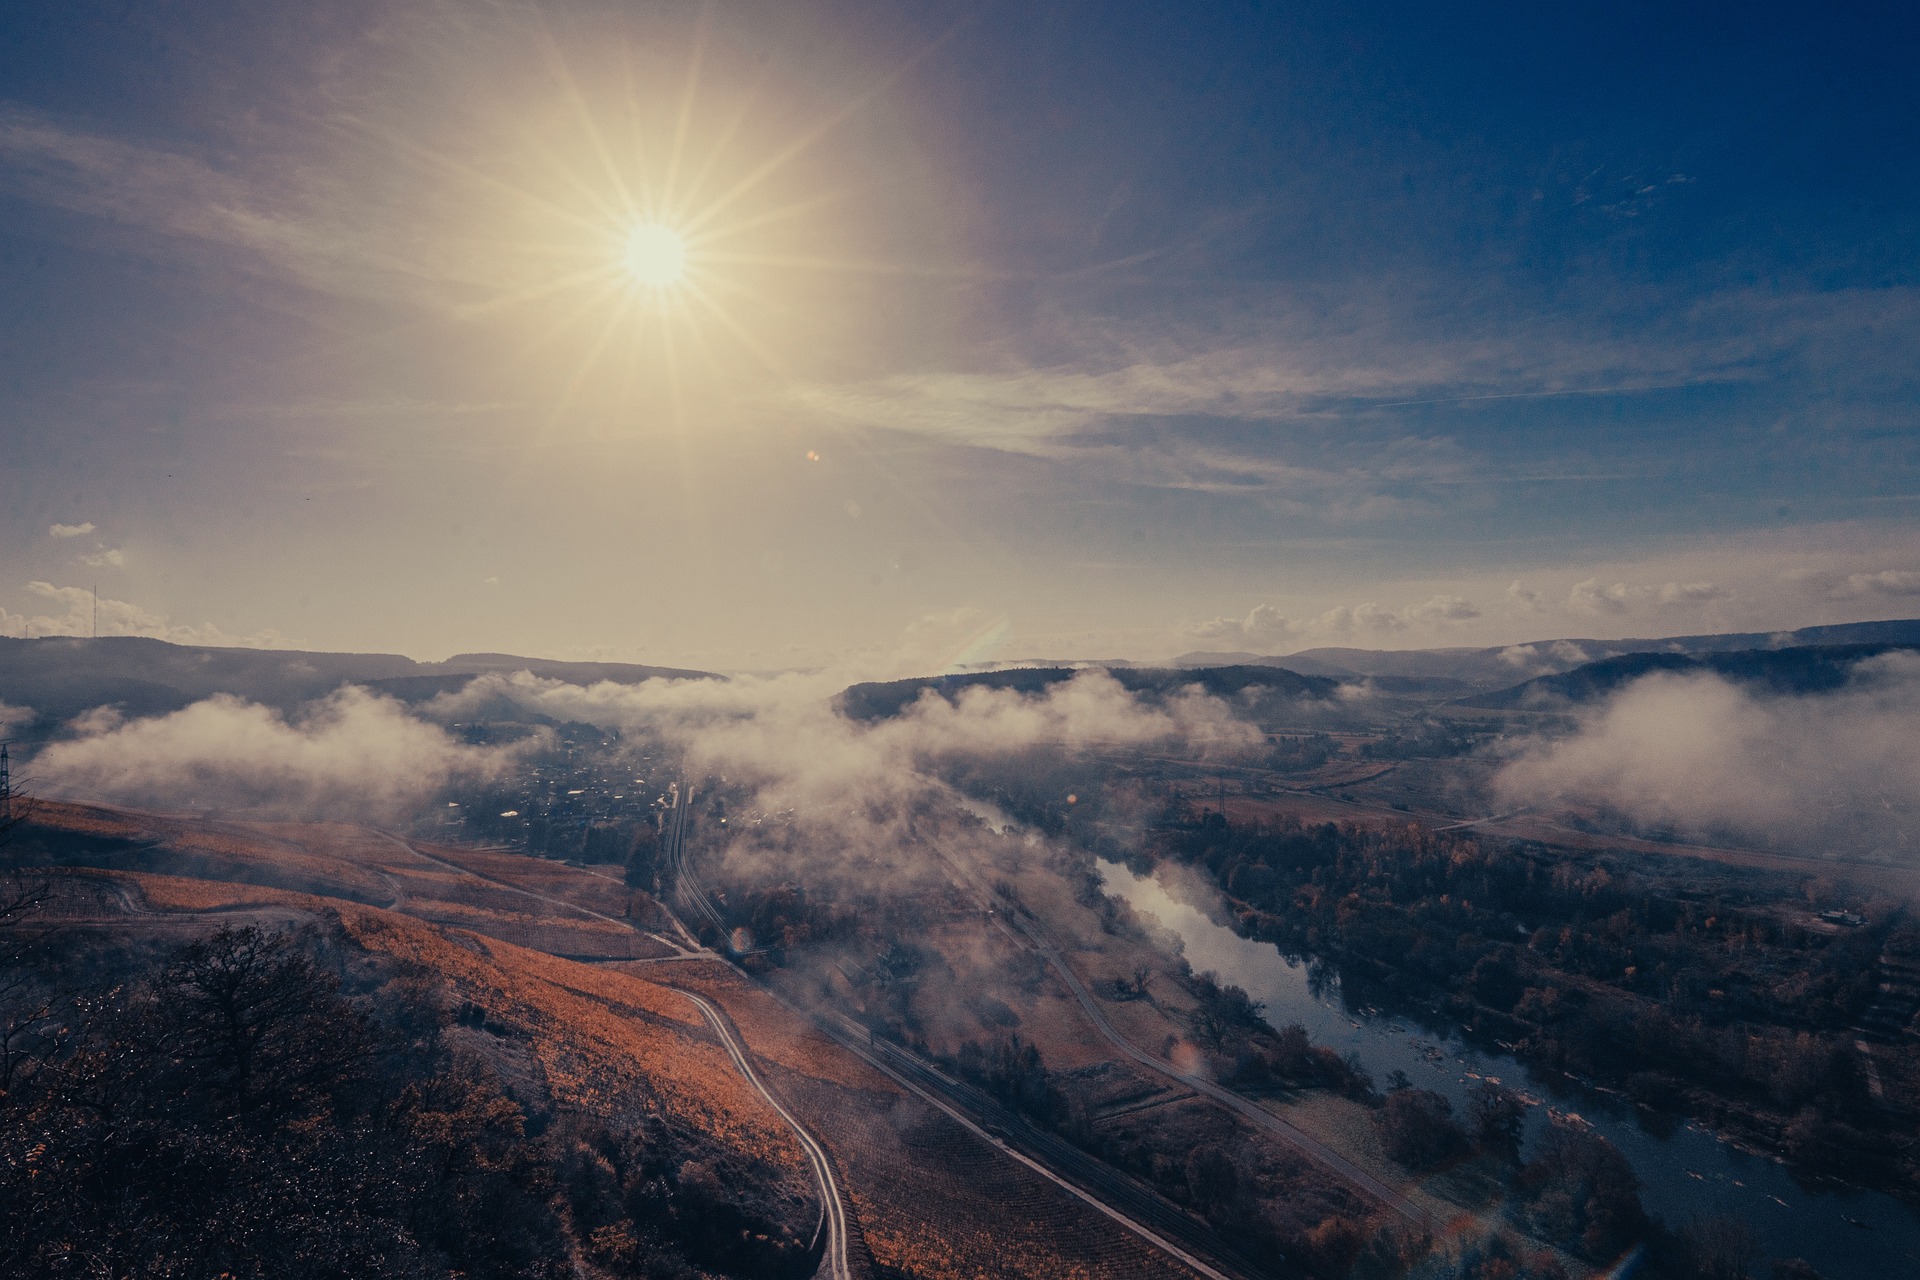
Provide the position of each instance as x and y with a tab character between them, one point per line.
259	1102
1700	991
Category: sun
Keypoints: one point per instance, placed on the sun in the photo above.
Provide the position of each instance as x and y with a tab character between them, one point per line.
656	256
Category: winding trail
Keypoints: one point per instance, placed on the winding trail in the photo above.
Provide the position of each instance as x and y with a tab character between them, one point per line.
576	908
833	1213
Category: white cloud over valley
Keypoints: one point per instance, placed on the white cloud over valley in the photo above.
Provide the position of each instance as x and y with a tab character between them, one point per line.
354	754
1818	773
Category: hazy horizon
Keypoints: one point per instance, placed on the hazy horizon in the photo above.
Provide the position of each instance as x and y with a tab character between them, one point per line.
1102	331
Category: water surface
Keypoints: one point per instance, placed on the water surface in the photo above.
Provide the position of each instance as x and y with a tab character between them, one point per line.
1685	1172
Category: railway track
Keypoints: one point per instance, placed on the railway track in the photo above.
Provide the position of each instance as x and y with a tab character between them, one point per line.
688	891
1088	1179
1104	1188
1312	1148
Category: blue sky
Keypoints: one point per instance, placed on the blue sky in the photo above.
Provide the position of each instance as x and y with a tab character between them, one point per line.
1068	330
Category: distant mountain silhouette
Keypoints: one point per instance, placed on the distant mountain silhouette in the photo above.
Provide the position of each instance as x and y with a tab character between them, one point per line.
879	700
62	676
1499	666
1801	670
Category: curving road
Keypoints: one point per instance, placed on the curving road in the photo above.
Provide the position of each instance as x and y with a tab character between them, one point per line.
833	1263
833	1213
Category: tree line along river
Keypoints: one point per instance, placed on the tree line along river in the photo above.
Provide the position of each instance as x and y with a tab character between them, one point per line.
1684	1170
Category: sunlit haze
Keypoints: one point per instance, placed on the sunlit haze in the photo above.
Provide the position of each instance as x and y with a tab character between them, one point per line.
909	640
899	336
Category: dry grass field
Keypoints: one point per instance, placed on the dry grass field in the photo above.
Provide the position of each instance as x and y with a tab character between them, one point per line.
932	1199
927	1198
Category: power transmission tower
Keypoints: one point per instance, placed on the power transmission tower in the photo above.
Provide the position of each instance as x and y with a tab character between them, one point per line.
6	786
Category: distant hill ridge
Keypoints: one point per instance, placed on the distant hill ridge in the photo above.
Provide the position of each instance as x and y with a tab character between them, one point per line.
1499	666
62	676
1800	670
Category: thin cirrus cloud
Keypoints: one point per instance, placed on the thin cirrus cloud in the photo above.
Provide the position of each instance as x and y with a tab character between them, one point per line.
1304	376
1378	419
141	186
1276	361
283	213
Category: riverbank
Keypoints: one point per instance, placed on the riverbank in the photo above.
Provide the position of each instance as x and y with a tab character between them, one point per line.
1684	1169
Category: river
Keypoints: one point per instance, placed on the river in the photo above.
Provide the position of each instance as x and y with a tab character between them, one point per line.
1847	1235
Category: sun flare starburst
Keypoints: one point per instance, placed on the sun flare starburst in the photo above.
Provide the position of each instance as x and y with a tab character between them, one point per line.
655	256
651	246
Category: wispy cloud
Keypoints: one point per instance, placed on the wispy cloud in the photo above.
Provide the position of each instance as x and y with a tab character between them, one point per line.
282	213
70	530
1595	597
1304	364
1266	625
1892	583
139	185
1385	407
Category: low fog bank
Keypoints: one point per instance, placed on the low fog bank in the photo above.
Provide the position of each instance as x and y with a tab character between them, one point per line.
788	731
838	793
353	754
1699	756
782	744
